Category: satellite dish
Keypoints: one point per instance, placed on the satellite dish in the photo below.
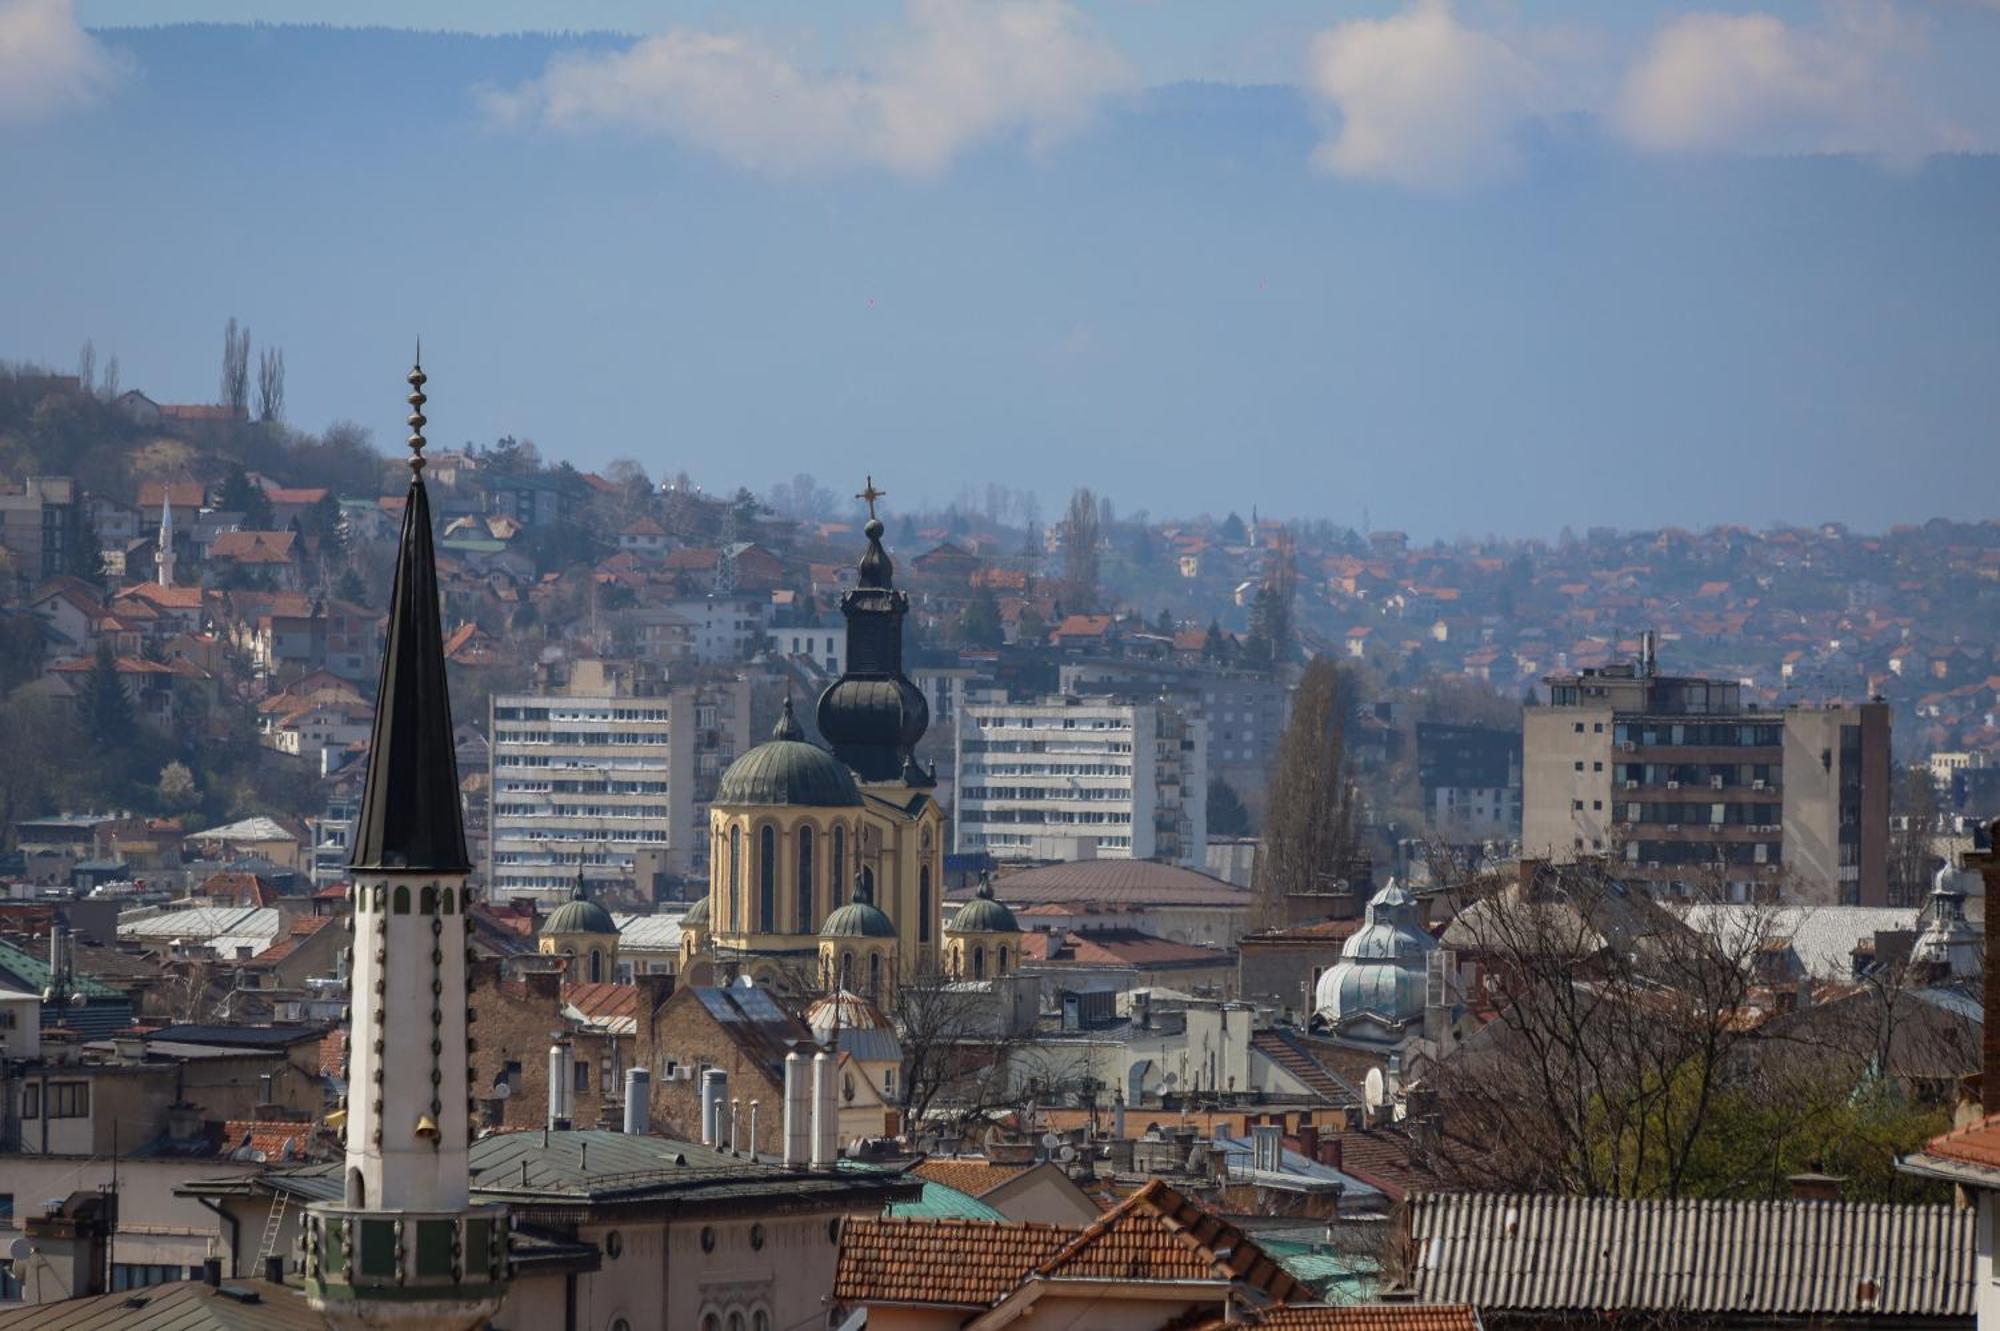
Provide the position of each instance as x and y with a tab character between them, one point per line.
1051	1140
20	1250
501	1090
79	999
1373	1092
1066	1154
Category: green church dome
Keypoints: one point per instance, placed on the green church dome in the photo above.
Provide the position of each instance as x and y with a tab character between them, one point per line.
859	918
786	769
984	915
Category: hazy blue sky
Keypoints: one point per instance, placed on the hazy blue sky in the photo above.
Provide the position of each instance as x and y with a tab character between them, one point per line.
1467	268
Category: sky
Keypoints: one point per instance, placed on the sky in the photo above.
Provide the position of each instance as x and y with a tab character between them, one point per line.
1455	268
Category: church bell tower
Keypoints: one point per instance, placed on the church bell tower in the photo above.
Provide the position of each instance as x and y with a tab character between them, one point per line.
404	1247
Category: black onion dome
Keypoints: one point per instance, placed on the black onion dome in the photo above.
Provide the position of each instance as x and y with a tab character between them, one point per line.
786	769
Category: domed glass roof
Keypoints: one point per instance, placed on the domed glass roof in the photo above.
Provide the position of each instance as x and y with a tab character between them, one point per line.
785	769
983	915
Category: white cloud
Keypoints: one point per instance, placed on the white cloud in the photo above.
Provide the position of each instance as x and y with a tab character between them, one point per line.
1751	82
48	63
1424	100
964	72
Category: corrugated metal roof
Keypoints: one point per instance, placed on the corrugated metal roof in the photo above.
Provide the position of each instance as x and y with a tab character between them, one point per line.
649	933
1520	1253
240	1305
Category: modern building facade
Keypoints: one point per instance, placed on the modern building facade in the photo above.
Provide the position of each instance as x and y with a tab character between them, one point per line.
1471	779
1685	786
607	776
1069	778
1245	711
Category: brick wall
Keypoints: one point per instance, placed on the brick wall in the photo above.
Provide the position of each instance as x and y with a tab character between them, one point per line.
515	1021
680	1030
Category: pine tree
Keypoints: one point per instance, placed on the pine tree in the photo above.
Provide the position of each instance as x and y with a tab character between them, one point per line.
1309	824
107	712
1226	814
83	556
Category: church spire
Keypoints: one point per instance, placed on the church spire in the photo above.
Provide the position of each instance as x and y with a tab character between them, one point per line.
873	715
409	807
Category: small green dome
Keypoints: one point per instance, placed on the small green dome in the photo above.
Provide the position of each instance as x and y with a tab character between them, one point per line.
785	769
984	915
696	916
580	917
859	918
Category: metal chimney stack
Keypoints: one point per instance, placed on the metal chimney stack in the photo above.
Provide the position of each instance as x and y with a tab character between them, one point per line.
826	1112
638	1101
798	1110
714	1092
559	1087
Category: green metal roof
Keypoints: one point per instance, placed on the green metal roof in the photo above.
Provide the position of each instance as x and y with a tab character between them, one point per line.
939	1202
33	974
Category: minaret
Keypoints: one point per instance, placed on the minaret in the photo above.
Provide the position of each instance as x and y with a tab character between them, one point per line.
164	556
873	716
403	1247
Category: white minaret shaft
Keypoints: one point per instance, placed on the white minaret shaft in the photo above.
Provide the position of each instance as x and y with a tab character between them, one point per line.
408	1126
163	557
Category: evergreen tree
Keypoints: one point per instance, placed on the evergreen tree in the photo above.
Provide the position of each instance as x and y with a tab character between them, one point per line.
83	557
1164	625
1226	814
1215	647
107	712
1233	530
979	623
1309	814
351	587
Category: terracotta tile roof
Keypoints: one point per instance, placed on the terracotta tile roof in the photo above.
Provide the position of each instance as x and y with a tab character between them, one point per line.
333	1054
1158	1234
182	494
1356	1317
959	1263
1116	947
302	928
603	1001
1975	1144
1113	882
280	1140
972	1175
254	547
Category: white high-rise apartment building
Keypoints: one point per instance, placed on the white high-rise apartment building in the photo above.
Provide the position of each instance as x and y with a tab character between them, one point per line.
1068	778
606	781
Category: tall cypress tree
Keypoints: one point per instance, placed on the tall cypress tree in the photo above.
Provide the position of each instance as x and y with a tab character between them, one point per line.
107	711
1309	825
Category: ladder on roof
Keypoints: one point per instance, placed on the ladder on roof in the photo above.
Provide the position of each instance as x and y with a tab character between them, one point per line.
274	1225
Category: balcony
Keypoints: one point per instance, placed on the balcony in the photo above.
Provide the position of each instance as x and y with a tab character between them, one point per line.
356	1257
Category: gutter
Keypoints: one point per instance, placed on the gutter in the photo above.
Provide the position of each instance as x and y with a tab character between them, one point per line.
229	1221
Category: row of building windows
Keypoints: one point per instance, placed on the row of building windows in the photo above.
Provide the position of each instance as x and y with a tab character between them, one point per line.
1120	793
553	810
626	715
1046	816
604	787
66	1099
586	738
1710	734
1113	770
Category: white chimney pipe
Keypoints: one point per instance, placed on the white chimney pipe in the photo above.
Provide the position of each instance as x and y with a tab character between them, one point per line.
714	1090
559	1086
735	1122
798	1110
753	1132
638	1101
826	1113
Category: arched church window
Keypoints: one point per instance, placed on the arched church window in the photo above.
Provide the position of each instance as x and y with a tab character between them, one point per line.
838	879
807	923
448	902
767	879
735	877
924	904
979	963
427	900
401	900
1001	968
596	966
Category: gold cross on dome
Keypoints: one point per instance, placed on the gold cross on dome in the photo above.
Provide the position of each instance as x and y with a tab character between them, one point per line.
869	494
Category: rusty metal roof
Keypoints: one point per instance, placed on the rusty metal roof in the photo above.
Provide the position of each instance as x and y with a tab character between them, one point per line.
1789	1259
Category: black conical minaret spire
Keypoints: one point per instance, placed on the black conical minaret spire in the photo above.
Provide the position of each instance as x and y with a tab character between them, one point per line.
409	807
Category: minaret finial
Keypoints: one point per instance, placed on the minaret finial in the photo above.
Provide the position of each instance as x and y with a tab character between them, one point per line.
416	421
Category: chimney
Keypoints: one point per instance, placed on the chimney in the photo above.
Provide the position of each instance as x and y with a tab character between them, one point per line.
638	1101
1309	1141
211	1273
1988	863
753	1132
1331	1154
274	1270
826	1112
798	1110
714	1091
559	1086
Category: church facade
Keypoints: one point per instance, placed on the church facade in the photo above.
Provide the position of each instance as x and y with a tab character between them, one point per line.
826	865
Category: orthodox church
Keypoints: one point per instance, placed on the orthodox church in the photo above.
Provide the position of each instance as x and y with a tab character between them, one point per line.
826	865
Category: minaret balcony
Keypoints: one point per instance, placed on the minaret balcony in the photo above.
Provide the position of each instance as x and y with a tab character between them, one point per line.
354	1255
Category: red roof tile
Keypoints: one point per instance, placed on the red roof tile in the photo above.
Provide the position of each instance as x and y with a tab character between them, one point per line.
1356	1317
959	1263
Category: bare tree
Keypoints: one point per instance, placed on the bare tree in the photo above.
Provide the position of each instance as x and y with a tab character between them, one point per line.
1082	530
236	367
958	1047
108	387
1309	823
86	366
270	383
